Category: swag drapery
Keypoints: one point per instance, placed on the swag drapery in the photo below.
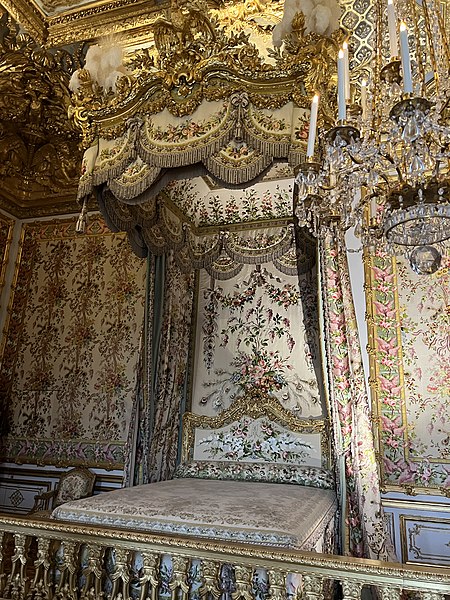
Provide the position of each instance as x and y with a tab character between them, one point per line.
349	405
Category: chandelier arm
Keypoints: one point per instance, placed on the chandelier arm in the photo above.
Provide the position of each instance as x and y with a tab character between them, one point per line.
389	158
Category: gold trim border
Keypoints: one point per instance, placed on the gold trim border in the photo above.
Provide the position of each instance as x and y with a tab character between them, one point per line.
372	330
404	540
254	404
9	224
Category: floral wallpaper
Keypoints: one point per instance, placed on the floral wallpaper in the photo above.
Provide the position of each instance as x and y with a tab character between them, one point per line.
252	332
6	229
411	316
72	345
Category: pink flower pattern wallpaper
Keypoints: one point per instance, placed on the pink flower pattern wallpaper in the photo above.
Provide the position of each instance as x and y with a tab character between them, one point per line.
72	345
411	328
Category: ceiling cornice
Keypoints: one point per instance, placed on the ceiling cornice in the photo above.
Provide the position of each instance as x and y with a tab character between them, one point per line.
88	22
104	18
29	16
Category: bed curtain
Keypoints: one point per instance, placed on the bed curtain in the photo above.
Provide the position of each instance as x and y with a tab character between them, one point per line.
160	396
350	407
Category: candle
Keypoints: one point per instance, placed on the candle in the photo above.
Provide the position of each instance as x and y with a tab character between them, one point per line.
406	61
392	25
312	126
341	87
364	99
373	208
346	71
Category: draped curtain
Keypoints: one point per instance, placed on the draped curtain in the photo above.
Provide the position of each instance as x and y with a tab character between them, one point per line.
162	379
368	536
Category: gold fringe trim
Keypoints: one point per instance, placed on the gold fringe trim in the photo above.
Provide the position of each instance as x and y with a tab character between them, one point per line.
235	174
127	191
175	157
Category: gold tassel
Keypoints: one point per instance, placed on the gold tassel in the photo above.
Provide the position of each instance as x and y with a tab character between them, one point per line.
82	221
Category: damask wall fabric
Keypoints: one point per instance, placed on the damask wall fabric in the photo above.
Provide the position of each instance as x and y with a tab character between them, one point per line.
6	230
411	335
258	329
350	405
71	348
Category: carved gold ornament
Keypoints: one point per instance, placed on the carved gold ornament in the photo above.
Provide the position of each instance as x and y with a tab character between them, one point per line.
39	156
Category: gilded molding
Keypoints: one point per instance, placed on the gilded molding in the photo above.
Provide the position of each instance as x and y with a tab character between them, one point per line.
6	233
29	16
39	154
408	538
195	60
413	577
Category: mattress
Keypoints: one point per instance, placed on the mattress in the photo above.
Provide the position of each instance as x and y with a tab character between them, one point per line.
268	514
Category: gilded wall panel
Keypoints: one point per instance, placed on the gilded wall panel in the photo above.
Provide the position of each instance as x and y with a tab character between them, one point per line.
410	349
71	345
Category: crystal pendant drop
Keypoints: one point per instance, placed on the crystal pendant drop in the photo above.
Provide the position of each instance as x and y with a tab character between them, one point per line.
302	189
411	130
416	166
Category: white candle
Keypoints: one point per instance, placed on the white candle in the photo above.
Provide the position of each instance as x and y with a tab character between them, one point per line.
312	126
341	87
373	208
406	61
364	99
346	71
392	25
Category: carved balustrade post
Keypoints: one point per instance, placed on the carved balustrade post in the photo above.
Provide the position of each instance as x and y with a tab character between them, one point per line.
388	592
16	583
210	574
93	573
68	568
19	558
149	581
120	577
244	583
277	585
351	590
180	576
312	587
40	588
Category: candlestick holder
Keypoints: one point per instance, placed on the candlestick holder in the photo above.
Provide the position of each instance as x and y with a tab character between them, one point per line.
342	135
390	73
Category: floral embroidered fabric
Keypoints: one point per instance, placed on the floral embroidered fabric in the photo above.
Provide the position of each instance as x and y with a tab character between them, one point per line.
258	472
267	514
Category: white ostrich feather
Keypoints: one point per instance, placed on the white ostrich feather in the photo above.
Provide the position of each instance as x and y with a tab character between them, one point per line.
104	61
321	17
74	83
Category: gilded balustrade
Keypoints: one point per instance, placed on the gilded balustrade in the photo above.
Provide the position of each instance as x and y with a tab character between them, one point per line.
46	560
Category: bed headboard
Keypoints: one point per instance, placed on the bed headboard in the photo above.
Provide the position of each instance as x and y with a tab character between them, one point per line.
256	429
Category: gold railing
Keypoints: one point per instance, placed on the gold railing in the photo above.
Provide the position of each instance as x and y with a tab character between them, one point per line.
46	560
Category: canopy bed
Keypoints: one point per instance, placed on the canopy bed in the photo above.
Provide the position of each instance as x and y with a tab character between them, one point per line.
190	148
255	474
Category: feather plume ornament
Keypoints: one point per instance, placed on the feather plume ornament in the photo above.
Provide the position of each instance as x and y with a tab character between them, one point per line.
104	61
321	17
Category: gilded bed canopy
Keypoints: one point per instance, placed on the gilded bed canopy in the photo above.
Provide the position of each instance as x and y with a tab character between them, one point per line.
181	136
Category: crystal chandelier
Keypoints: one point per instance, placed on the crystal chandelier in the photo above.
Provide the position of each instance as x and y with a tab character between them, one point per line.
384	167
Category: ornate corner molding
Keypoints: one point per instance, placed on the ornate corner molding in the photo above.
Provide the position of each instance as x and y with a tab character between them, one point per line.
39	155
